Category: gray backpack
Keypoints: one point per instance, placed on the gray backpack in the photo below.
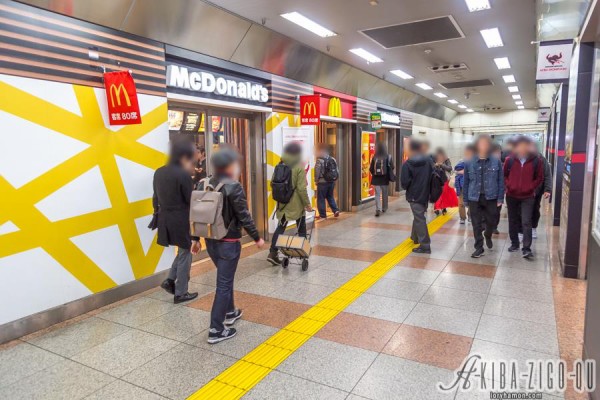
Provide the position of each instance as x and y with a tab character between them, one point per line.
206	211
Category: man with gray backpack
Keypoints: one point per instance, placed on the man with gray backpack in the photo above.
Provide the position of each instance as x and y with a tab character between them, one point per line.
219	211
326	174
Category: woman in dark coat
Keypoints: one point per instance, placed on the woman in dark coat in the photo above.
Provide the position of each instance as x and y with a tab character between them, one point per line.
382	173
173	187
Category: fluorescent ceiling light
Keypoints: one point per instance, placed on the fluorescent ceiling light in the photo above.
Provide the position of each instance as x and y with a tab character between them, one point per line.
366	55
308	24
516	97
502	63
440	95
469	110
521	107
462	106
401	74
477	5
424	86
452	101
509	78
519	103
513	89
492	37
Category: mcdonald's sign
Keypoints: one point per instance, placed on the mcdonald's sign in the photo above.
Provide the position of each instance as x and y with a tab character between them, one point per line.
335	107
121	96
310	110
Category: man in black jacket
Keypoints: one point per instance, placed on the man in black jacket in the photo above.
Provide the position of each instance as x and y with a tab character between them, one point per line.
415	178
225	253
172	192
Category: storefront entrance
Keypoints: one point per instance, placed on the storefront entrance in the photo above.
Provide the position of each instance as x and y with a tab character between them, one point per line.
390	137
337	136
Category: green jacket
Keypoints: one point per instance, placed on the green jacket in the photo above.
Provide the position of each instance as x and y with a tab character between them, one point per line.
295	208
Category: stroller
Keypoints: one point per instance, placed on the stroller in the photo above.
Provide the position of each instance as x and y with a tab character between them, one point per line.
296	246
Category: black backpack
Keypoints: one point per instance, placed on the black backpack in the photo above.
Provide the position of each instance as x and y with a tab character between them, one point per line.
536	163
330	169
436	185
380	166
282	188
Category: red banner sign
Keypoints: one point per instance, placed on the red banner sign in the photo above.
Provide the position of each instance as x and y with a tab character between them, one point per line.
310	110
121	96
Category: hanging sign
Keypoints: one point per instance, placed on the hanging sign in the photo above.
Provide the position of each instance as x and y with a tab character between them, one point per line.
554	60
310	110
121	96
375	119
543	114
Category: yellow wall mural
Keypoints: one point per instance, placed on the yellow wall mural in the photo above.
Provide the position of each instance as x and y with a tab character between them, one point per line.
76	194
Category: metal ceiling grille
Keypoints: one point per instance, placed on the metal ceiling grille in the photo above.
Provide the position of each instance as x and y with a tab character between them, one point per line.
466	84
416	32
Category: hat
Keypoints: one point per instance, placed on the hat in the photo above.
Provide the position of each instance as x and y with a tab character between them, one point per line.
223	158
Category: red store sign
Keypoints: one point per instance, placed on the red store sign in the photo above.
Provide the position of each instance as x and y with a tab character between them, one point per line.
310	110
121	96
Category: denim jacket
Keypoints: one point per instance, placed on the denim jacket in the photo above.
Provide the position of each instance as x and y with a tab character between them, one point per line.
493	176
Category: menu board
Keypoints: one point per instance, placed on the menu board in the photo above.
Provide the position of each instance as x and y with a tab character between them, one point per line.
367	152
191	122
175	120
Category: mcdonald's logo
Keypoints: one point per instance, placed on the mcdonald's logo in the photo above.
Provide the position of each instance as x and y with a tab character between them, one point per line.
310	110
115	92
335	107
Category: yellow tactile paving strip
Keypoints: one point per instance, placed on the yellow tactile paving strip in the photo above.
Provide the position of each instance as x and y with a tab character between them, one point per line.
242	376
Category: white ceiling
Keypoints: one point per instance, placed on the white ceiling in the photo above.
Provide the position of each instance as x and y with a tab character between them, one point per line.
516	20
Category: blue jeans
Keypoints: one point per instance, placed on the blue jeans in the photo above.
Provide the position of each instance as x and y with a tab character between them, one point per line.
225	255
325	192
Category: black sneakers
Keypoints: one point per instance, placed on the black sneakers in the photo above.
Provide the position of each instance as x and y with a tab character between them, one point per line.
488	242
168	285
513	248
527	254
273	258
421	250
377	213
185	297
216	337
478	253
233	316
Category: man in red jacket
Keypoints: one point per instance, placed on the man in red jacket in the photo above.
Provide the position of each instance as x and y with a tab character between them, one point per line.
523	174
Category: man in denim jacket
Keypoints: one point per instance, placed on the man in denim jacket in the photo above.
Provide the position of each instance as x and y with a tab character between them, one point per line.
484	190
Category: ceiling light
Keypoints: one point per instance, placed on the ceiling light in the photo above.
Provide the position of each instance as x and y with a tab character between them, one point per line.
401	74
516	97
462	106
452	101
509	78
492	37
424	86
513	89
502	63
308	24
440	95
519	103
478	5
521	107
366	55
469	110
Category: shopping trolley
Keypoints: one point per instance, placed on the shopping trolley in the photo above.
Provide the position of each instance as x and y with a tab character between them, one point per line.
296	246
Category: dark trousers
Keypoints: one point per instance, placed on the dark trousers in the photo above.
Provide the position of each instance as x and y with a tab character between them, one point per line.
520	216
420	233
225	255
481	211
325	193
537	210
498	216
300	224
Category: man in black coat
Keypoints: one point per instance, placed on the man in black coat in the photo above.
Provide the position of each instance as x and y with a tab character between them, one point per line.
173	187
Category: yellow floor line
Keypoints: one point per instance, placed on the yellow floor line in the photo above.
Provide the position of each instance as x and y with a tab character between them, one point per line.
242	376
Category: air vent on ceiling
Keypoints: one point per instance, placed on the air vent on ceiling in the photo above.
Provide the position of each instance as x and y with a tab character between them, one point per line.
466	84
416	32
448	68
492	108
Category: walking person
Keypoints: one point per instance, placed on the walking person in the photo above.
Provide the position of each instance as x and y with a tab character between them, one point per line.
415	179
297	204
326	175
225	253
448	199
459	170
542	192
497	152
523	174
382	173
484	190
173	187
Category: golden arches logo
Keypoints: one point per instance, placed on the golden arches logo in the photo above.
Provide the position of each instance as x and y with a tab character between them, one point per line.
115	91
310	109
335	107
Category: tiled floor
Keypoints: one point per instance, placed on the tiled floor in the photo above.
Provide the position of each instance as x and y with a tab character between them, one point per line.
406	334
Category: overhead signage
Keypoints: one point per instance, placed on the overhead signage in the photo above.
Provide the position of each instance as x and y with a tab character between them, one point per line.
310	110
388	118
554	60
212	84
121	96
335	107
543	114
375	119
